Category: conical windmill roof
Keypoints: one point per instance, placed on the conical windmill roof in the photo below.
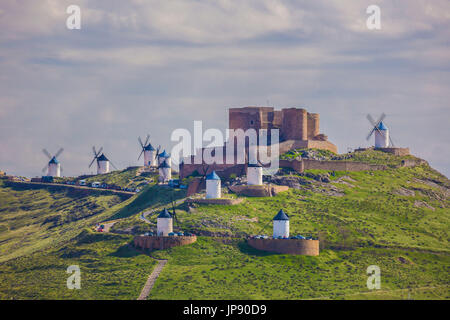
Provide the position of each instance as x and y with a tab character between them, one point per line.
149	147
381	126
165	214
281	216
53	160
164	154
212	176
102	158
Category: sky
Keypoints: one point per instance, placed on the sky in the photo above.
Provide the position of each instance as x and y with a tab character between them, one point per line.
149	67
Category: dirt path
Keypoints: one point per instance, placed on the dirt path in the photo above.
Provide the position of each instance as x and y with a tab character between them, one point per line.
152	279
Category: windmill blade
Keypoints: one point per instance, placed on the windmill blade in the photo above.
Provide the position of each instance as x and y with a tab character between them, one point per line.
370	133
113	165
47	153
95	152
95	158
61	168
147	139
100	151
59	152
140	142
157	151
371	120
392	142
381	118
142	151
45	168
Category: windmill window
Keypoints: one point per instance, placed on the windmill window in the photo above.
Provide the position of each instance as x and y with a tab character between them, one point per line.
252	122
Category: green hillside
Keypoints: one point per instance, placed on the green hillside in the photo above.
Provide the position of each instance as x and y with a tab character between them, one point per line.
397	219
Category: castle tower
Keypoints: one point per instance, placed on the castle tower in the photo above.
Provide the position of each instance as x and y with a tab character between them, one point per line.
281	225
254	174
213	186
165	172
382	136
149	155
164	223
102	164
54	168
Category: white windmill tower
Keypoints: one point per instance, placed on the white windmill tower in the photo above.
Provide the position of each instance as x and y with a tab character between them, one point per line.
213	186
102	161
382	138
53	167
165	172
164	223
281	225
254	174
150	153
164	156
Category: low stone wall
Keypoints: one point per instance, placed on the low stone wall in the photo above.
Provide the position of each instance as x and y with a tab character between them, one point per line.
160	242
330	165
287	246
287	145
266	190
216	201
395	151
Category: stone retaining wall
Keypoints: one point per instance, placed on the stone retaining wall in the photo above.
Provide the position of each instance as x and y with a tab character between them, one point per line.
216	201
287	246
308	164
266	190
161	242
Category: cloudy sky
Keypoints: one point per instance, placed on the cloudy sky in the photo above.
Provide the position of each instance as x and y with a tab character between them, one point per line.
139	67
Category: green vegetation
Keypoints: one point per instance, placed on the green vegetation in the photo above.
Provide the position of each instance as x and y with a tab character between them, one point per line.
397	219
215	269
110	269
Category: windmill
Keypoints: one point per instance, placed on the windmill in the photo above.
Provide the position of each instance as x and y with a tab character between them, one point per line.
149	152
53	167
102	161
382	138
174	215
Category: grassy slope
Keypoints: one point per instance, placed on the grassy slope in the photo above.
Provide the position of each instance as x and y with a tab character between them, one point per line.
110	269
370	224
209	269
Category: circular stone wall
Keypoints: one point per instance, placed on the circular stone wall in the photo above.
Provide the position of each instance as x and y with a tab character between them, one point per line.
287	246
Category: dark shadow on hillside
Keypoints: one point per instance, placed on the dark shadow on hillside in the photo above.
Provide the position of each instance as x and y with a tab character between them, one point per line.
245	248
125	251
154	195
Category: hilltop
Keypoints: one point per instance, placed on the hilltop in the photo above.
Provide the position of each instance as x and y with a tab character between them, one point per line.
396	218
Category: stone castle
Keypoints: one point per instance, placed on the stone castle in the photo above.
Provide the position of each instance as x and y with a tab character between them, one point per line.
297	127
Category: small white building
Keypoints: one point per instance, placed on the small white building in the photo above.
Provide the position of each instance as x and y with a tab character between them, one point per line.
382	136
149	156
164	156
213	186
281	225
164	223
165	172
254	174
54	168
102	164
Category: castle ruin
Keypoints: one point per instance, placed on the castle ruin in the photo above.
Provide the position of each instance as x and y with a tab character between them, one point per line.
297	127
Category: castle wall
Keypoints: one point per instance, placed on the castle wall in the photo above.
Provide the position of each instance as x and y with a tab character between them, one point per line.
286	246
160	243
309	164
